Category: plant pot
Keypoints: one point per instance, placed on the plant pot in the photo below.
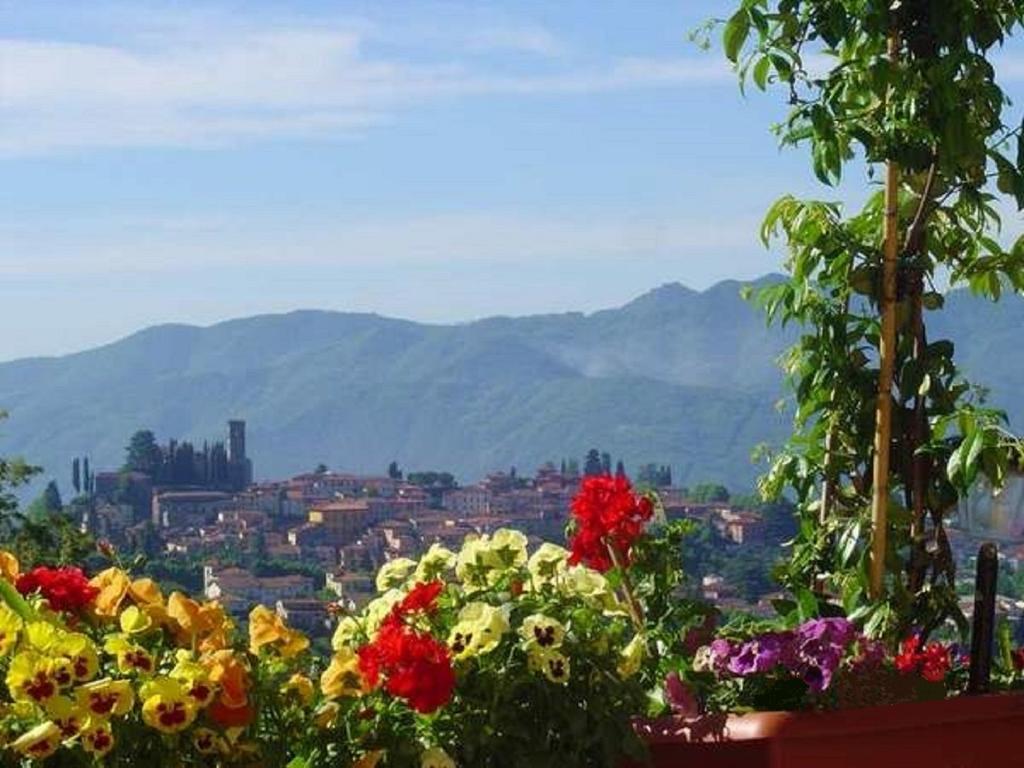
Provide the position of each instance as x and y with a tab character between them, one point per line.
966	732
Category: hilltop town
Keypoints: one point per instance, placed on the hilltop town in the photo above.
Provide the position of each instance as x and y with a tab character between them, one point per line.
311	542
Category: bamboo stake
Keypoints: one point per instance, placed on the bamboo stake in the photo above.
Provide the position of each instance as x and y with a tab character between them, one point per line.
886	358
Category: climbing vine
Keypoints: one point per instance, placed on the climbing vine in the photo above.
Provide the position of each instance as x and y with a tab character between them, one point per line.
888	433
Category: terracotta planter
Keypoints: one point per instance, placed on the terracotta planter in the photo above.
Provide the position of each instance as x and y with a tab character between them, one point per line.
982	732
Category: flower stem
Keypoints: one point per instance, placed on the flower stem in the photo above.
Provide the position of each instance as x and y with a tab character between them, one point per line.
16	602
635	611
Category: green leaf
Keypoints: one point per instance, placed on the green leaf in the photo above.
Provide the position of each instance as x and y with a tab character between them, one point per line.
735	35
761	72
806	603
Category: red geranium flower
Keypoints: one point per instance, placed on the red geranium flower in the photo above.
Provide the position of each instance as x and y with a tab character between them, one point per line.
414	665
932	660
64	589
608	516
422	598
1018	659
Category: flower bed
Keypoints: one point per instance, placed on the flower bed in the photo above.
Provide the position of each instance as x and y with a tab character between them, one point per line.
491	656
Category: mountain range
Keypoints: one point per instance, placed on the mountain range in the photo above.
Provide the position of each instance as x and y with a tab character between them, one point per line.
675	377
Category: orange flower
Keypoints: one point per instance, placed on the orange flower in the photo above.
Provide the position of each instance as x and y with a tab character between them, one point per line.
217	627
10	569
146	592
230	717
184	611
266	628
113	585
231	677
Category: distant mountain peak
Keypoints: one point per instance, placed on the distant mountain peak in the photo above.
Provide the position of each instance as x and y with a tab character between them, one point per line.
665	296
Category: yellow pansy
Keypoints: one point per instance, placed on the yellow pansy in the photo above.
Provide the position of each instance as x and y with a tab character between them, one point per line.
63	671
31	678
113	585
134	621
10	628
342	677
542	632
435	757
106	698
195	678
346	634
67	714
208	742
632	657
39	743
378	608
509	547
435	562
42	635
10	568
166	705
394	573
301	686
547	563
131	657
553	664
98	739
593	587
474	561
81	652
478	630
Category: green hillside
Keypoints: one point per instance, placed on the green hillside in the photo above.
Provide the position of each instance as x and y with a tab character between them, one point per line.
676	376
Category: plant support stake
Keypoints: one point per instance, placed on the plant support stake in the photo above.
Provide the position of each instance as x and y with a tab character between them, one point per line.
983	628
886	356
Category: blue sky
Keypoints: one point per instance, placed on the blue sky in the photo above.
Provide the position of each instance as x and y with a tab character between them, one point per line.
194	161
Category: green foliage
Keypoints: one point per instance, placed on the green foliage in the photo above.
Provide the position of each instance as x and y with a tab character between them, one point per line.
910	84
709	492
654	476
142	454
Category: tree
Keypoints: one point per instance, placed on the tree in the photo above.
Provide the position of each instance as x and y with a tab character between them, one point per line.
886	428
51	497
14	473
592	464
76	475
142	454
393	471
708	493
321	469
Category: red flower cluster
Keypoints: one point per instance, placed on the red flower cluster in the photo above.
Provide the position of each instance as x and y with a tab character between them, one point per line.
1017	656
607	514
65	589
932	660
414	665
421	599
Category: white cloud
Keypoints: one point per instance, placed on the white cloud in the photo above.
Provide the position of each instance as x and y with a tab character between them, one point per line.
178	85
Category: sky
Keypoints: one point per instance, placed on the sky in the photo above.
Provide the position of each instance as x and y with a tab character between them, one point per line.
438	161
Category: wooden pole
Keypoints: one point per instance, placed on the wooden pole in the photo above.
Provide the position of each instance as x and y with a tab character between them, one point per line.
886	359
984	622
